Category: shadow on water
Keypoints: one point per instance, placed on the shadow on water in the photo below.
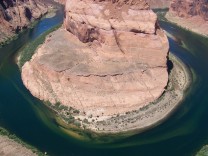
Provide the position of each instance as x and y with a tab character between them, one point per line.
182	134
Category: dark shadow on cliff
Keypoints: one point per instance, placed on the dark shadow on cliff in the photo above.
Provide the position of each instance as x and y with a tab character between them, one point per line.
2	4
28	13
170	66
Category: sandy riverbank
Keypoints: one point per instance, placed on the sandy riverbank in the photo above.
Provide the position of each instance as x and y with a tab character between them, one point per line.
136	121
195	24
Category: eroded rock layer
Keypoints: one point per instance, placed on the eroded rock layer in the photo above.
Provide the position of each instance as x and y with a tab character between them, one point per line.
110	58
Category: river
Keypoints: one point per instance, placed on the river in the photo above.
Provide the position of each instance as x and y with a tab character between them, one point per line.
181	134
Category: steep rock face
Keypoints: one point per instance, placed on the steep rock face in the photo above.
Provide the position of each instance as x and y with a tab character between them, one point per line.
190	14
17	15
109	58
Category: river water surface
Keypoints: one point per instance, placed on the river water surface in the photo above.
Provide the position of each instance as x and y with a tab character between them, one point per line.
181	134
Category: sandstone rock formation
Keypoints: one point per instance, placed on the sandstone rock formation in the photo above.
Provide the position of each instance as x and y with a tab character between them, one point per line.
17	15
109	58
190	14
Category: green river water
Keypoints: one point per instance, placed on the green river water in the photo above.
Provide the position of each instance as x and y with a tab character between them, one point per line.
184	133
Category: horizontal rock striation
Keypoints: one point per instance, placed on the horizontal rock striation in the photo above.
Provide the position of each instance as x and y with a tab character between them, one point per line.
110	58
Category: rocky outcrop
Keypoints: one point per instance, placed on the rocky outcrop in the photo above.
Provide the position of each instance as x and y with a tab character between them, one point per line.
159	4
190	14
109	58
17	15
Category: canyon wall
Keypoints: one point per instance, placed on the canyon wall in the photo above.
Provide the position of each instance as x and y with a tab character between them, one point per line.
109	58
190	14
17	15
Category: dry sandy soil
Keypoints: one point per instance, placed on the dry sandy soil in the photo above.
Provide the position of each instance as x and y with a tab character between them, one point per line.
9	147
